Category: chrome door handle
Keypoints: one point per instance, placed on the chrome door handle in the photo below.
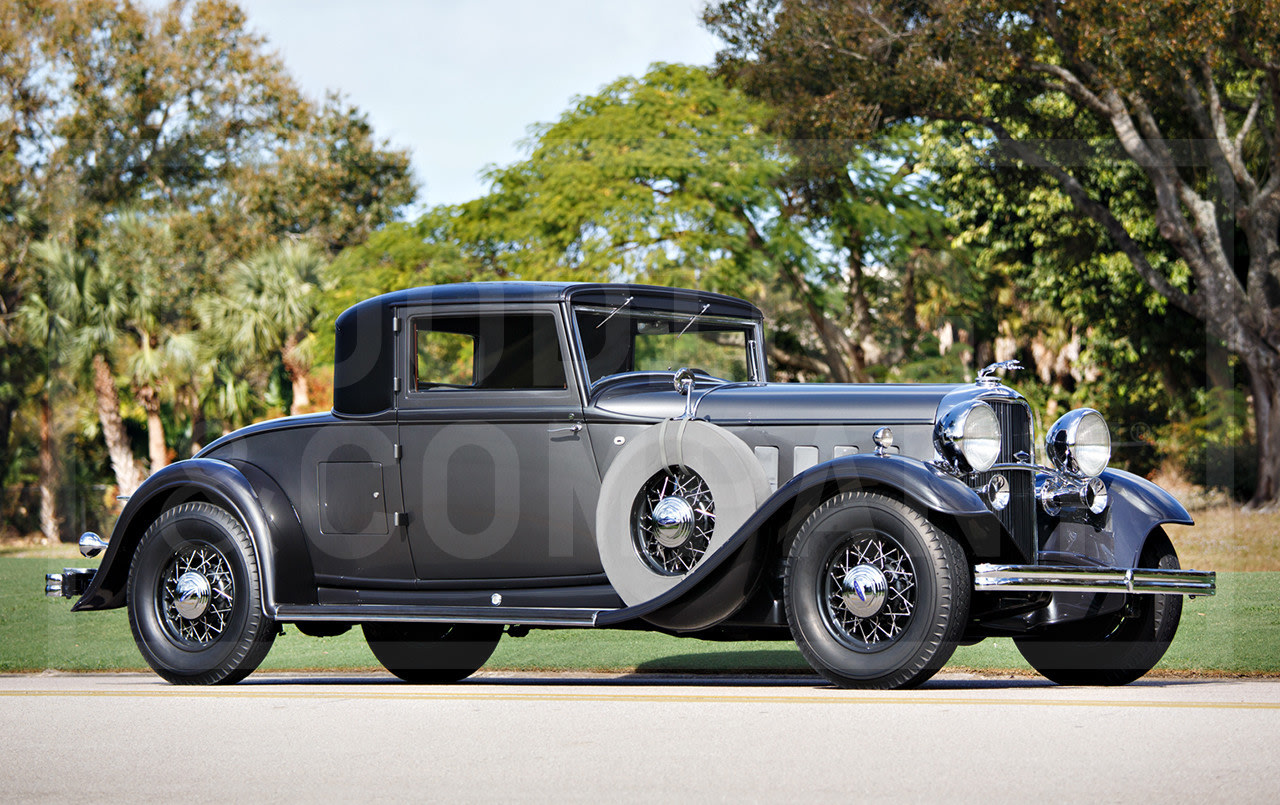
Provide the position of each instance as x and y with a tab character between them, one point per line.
574	428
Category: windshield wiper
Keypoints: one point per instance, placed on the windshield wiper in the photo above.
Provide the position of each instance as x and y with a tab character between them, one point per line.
696	316
614	312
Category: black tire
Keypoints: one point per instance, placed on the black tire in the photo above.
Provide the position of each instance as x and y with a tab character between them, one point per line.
913	600
432	653
226	639
1118	648
711	470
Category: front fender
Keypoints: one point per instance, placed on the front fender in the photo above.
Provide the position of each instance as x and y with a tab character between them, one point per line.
1137	507
246	492
927	487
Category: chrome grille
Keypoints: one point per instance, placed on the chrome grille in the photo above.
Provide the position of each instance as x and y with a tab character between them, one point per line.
1019	517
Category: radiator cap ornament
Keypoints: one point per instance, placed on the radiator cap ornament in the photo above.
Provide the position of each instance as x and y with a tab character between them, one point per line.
987	377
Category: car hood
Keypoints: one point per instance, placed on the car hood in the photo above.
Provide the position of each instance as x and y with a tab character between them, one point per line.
875	403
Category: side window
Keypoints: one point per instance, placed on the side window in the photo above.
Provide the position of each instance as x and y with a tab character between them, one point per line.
444	359
488	351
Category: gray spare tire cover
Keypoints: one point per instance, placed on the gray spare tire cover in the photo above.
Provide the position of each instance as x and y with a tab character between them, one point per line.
735	478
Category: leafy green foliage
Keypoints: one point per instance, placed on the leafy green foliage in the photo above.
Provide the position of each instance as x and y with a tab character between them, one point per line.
1156	122
670	178
142	150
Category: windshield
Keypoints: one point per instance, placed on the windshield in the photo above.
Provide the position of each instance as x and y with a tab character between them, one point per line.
621	339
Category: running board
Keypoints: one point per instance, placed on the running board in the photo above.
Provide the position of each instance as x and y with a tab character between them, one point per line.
360	613
1057	578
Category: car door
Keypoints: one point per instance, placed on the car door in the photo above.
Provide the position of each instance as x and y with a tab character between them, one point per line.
498	475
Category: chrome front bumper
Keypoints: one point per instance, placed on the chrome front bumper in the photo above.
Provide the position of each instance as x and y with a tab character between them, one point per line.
1061	578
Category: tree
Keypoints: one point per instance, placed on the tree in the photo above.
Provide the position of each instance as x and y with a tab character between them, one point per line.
1185	91
268	310
331	181
670	178
76	317
156	347
104	107
179	119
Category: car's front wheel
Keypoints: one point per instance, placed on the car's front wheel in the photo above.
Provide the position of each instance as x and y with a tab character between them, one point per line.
876	596
195	599
432	653
1114	649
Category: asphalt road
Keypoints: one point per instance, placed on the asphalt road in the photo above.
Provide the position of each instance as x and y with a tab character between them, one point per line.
130	737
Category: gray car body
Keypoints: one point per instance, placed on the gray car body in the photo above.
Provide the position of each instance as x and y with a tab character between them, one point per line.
399	503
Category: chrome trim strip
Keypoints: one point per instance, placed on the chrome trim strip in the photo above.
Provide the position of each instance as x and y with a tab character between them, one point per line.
1060	578
357	613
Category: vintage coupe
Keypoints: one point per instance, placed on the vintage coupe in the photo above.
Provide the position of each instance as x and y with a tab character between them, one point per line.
509	456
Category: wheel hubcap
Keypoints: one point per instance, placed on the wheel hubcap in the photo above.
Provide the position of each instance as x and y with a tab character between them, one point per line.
191	595
195	595
863	590
673	520
868	593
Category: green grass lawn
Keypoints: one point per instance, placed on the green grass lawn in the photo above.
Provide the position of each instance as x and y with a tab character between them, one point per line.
1237	631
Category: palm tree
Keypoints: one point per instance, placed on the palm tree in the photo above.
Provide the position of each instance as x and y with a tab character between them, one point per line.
158	348
74	315
267	310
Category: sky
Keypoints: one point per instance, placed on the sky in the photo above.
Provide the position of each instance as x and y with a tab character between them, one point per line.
459	83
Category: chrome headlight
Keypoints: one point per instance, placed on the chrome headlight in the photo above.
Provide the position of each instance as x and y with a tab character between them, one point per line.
1079	443
968	436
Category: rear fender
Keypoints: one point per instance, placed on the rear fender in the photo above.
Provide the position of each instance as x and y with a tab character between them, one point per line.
244	490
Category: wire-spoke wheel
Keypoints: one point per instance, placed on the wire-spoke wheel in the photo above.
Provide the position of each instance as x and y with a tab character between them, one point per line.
876	596
195	599
870	591
196	595
673	520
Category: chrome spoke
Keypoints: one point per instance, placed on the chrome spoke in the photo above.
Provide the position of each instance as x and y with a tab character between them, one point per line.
664	554
884	554
207	626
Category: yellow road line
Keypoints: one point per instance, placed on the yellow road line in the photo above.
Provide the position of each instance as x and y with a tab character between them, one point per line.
496	696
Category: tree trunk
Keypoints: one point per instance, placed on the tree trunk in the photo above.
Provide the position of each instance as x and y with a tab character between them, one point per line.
7	411
861	315
1264	378
297	376
48	475
156	449
198	424
128	476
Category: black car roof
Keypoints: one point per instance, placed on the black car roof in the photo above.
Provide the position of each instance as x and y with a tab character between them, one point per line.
364	358
522	291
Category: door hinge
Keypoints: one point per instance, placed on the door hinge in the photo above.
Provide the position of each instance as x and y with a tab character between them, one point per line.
396	451
395	385
395	324
400	518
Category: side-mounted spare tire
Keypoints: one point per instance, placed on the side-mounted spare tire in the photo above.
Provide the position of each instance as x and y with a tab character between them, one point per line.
671	499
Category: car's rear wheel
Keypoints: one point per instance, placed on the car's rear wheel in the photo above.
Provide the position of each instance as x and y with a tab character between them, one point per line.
1114	649
432	653
876	596
195	598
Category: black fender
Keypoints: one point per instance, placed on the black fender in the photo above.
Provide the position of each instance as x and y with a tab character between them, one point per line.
1137	507
929	488
244	490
